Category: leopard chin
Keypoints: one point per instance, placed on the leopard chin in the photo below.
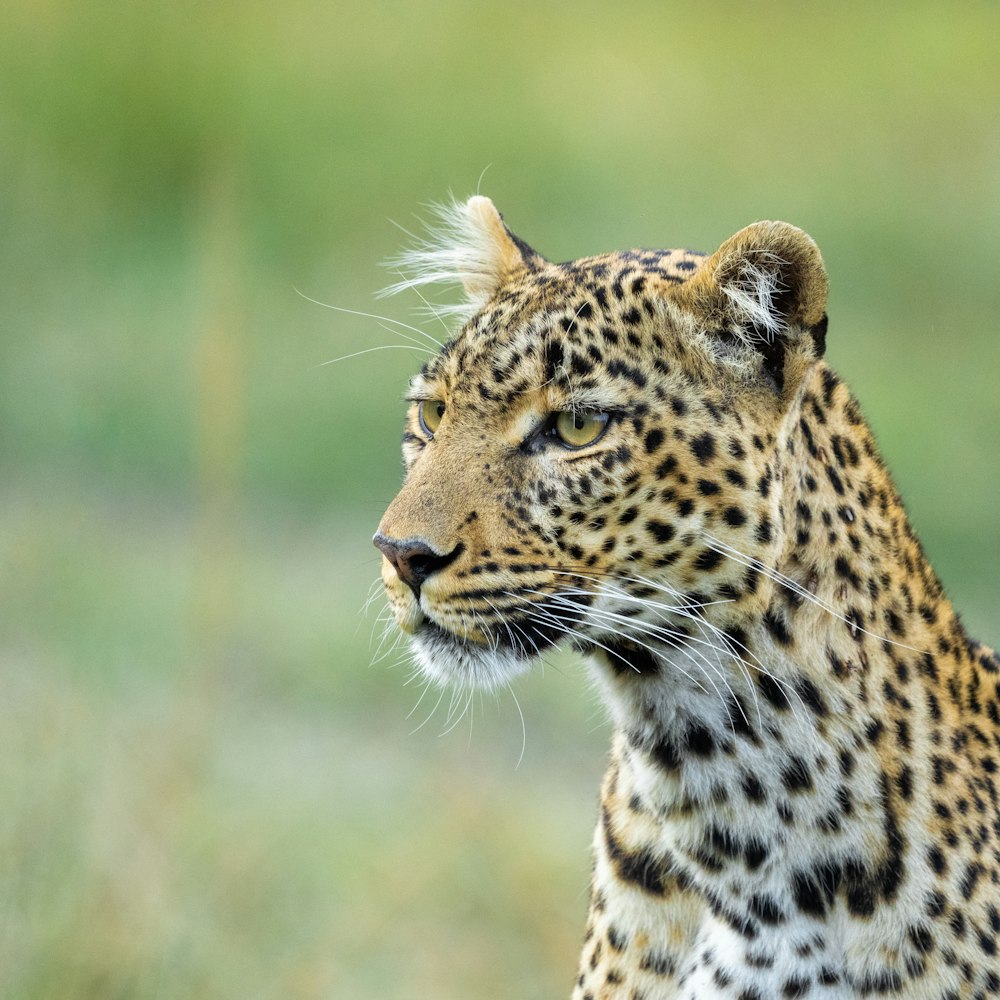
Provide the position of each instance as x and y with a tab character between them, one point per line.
449	659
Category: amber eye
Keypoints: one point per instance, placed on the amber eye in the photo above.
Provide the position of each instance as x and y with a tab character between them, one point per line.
578	428
430	412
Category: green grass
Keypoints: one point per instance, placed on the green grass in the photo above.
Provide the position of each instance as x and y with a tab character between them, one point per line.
207	789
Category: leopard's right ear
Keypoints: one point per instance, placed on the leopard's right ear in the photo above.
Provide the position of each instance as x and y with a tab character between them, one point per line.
469	246
761	299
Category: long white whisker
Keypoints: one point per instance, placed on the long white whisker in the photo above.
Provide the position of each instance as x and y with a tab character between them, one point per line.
697	655
430	308
524	729
406	336
458	715
369	350
568	628
778	577
367	315
430	716
427	687
686	611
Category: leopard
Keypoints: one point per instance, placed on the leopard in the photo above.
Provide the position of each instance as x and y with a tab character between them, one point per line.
643	457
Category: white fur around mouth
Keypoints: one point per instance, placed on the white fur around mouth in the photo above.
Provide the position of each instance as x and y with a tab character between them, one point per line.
447	658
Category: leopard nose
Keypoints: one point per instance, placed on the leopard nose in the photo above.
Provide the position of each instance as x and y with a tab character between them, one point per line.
413	559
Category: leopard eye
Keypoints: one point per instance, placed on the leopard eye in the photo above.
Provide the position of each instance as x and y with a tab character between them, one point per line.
430	412
578	428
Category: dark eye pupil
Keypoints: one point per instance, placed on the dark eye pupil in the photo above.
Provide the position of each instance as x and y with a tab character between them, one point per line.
579	421
439	410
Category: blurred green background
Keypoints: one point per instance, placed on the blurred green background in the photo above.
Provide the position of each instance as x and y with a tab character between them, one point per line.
207	789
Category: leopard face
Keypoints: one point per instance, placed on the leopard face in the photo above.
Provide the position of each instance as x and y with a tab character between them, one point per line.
598	439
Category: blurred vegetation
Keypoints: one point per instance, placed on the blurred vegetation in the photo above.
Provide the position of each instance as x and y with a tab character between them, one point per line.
205	789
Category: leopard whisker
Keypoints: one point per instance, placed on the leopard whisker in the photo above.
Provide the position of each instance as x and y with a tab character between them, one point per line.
651	630
426	687
429	306
524	728
369	350
662	610
390	640
374	316
569	629
703	623
701	659
432	712
786	581
705	626
469	694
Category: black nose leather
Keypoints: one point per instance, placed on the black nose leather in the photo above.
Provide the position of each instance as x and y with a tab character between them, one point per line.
413	559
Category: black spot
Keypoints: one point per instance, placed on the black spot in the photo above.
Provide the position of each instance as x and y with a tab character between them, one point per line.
627	659
616	938
734	517
843	570
795	988
795	776
755	853
835	480
553	358
778	629
810	695
698	739
921	937
654	439
666	754
708	559
666	467
638	867
658	963
723	842
703	447
766	909
771	689
753	789
973	872
618	369
661	531
904	782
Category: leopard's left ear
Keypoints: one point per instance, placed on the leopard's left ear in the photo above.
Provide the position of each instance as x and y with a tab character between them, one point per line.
764	289
469	246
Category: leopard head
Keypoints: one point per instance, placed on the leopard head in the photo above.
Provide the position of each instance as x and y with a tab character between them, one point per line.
581	456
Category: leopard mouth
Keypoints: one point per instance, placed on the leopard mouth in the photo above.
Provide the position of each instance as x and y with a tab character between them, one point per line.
508	648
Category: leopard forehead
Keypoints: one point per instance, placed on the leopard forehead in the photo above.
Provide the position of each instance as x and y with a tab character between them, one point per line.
561	324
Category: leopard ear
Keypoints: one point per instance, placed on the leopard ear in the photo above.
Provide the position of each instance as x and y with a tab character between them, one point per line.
493	252
469	246
764	289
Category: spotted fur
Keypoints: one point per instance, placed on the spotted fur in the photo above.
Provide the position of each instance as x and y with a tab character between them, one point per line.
802	795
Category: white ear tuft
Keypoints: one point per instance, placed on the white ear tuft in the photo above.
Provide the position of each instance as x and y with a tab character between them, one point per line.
761	301
753	290
469	246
